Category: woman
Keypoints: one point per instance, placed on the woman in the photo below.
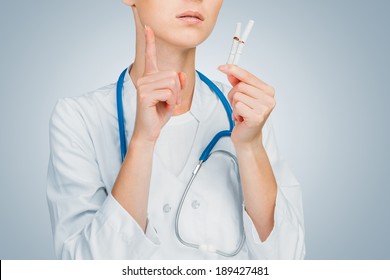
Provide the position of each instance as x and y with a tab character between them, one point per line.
102	208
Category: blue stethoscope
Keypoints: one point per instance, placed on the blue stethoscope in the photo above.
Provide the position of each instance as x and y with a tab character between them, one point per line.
203	157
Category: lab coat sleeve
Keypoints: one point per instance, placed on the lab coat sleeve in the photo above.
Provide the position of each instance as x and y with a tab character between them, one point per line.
87	221
286	240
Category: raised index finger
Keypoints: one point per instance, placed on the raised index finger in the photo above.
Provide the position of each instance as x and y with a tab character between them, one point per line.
150	52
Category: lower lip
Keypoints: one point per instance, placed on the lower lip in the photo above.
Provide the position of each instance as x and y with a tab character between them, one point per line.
190	20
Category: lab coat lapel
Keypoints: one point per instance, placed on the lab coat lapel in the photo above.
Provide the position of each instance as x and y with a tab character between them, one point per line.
205	108
212	211
167	189
204	105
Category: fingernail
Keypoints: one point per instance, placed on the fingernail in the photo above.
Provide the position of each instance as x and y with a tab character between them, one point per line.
222	67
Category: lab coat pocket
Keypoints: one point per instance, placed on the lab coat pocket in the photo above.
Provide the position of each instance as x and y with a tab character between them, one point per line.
212	211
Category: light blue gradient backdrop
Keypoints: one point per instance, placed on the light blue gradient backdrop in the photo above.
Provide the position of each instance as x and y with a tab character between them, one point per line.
328	60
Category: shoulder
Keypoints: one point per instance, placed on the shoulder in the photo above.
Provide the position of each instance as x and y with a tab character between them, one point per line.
85	107
79	120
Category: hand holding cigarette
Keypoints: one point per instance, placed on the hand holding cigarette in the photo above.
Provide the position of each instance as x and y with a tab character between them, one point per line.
252	100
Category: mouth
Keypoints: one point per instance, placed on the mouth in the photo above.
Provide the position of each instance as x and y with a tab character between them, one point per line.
191	17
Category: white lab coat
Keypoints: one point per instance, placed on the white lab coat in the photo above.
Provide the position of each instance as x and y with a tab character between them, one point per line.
88	223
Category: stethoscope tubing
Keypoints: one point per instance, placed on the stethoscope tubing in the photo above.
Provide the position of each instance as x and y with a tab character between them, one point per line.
203	157
179	208
205	154
121	118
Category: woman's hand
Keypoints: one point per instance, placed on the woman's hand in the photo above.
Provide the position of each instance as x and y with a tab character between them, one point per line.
252	101
158	92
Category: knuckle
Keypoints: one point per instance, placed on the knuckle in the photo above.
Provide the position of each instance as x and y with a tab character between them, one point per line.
142	97
171	82
239	105
271	90
236	97
140	87
169	94
166	94
171	98
240	86
259	119
272	103
140	82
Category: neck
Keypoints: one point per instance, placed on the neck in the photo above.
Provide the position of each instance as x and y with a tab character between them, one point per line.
168	58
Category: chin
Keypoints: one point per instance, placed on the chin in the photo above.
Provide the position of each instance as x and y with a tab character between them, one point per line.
187	44
187	40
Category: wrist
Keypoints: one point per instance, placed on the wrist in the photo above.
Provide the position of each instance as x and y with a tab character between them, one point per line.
249	147
139	143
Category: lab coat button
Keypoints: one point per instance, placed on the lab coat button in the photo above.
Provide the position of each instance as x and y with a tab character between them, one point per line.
167	208
195	204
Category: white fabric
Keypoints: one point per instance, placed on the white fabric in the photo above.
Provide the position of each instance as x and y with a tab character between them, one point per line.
88	223
169	147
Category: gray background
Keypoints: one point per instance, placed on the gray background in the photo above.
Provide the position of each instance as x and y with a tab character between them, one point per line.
328	60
